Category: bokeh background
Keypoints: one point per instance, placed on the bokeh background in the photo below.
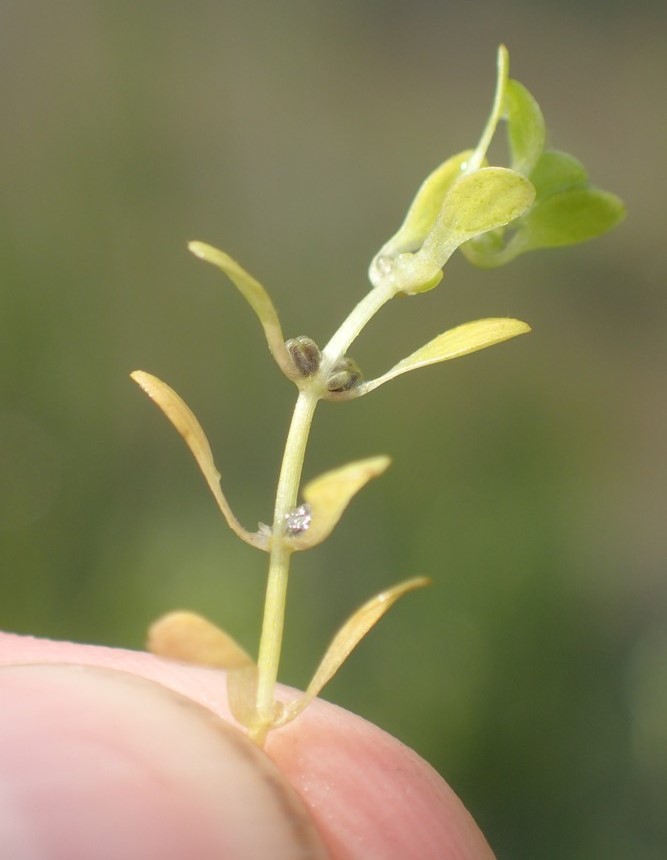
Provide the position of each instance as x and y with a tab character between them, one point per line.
528	480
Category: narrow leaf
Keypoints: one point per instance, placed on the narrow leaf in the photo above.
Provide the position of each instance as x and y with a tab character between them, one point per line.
329	495
462	340
189	637
256	296
185	421
347	638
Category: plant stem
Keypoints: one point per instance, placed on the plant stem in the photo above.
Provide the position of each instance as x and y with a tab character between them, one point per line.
276	588
355	322
286	496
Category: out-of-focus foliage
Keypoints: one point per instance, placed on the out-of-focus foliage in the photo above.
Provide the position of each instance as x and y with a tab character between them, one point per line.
293	135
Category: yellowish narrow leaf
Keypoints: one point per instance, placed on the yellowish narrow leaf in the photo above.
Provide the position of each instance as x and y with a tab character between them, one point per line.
185	421
256	296
347	638
462	340
328	495
189	637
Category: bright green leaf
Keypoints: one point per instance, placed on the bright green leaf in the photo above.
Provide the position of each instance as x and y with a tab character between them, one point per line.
525	127
329	495
256	296
567	218
567	210
557	171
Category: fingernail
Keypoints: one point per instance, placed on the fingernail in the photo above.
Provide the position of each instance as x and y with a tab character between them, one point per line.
102	765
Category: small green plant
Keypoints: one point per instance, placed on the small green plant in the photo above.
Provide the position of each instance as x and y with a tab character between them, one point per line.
493	214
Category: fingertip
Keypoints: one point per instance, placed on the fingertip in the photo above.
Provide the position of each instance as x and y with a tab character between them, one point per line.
99	764
370	795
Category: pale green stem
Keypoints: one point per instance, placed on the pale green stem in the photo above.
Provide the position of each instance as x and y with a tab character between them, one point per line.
355	322
286	497
276	589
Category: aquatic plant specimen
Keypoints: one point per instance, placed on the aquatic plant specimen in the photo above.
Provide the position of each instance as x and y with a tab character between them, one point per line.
492	214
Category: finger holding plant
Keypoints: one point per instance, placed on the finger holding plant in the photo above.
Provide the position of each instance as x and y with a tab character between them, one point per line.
493	214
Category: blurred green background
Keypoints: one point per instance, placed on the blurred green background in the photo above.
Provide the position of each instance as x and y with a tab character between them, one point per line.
528	481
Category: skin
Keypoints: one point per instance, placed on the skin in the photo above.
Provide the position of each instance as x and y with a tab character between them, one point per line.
107	753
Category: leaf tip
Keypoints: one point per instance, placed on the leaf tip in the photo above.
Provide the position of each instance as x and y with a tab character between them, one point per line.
379	464
142	379
198	249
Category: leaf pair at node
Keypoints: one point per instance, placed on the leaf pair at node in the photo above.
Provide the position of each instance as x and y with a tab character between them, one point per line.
327	496
189	637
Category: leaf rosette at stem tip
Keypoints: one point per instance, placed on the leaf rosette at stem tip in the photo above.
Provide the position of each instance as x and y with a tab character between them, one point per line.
567	209
494	214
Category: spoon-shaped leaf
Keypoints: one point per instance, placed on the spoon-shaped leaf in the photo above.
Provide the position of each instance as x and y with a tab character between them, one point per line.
185	421
462	340
329	494
256	296
347	638
489	198
568	210
569	217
